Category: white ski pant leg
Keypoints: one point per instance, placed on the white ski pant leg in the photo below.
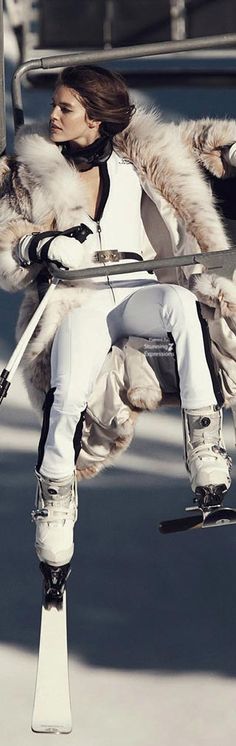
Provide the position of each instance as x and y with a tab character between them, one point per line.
79	349
173	308
84	339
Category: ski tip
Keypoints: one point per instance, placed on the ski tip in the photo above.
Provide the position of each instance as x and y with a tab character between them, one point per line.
212	518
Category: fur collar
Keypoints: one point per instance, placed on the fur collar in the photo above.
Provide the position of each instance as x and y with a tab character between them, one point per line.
58	180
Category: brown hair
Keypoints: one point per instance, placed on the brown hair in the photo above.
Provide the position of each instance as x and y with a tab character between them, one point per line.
103	94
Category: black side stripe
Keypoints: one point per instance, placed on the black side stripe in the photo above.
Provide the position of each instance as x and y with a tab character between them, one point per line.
48	402
78	435
176	370
216	382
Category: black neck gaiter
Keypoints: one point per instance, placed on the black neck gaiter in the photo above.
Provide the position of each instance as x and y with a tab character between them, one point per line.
93	155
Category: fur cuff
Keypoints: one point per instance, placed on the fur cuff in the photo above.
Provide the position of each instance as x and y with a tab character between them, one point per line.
12	276
207	138
218	292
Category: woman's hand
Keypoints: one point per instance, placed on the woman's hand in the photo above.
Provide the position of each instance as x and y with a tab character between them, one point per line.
64	250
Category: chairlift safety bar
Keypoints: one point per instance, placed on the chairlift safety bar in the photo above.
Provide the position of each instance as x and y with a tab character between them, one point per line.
212	260
118	53
209	260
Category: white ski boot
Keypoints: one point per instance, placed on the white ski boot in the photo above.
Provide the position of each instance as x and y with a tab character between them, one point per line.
206	458
55	515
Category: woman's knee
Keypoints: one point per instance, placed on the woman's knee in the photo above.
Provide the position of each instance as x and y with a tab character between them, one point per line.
179	306
176	296
69	401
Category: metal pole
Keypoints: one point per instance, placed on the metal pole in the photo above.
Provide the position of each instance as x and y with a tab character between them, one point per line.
211	260
119	53
107	24
178	19
12	365
2	87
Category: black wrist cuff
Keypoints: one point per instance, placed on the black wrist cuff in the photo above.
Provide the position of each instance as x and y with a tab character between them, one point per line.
41	256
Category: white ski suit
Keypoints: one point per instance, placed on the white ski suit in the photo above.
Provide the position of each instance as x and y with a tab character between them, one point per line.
121	305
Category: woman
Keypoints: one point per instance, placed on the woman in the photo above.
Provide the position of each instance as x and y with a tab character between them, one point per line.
132	187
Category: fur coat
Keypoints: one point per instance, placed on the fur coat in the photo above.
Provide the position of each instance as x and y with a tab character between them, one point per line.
41	190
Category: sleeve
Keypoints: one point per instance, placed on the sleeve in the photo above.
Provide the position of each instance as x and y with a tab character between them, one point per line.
14	223
13	276
224	191
162	156
209	140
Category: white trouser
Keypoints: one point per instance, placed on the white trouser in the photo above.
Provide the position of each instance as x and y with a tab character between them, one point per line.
84	339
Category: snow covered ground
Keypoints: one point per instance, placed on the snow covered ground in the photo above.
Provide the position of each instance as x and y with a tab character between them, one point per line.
151	618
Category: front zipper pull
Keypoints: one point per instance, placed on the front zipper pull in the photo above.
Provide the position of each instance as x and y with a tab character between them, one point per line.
99	230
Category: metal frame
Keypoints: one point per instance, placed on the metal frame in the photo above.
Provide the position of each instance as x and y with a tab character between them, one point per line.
2	87
119	53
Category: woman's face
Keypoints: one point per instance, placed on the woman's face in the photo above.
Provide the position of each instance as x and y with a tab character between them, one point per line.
69	121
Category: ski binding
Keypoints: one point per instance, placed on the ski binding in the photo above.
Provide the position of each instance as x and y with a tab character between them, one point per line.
54	584
208	510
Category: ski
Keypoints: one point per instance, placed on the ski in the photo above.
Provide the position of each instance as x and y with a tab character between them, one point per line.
52	710
208	513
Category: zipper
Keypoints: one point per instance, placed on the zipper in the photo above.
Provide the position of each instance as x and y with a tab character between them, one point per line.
99	230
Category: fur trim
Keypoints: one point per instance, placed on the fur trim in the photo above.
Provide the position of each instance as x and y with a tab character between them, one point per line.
218	292
116	446
4	167
160	156
207	138
147	397
12	276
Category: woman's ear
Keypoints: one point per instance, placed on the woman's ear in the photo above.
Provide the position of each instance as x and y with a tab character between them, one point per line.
92	123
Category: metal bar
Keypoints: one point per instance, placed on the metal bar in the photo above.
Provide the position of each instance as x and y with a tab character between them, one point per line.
17	355
8	373
16	92
141	50
213	260
178	19
2	87
107	24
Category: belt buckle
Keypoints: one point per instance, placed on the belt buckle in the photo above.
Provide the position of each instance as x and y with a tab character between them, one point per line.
114	256
107	256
